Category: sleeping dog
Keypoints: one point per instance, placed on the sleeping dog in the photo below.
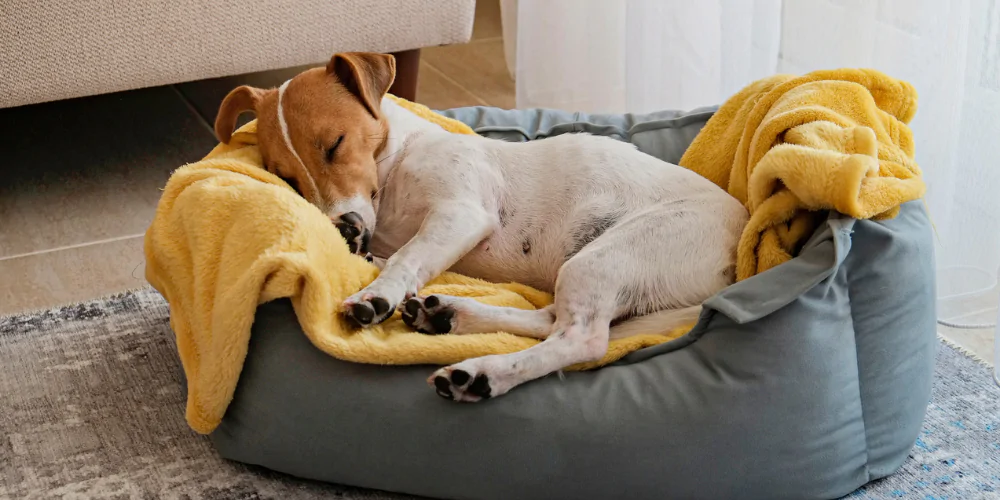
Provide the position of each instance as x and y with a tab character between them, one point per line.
620	237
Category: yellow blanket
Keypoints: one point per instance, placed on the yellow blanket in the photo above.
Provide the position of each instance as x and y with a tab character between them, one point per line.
228	236
791	147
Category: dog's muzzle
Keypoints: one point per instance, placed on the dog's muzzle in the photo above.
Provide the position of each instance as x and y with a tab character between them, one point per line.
353	229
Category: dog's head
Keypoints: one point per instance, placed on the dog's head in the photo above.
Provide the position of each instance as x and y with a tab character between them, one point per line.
321	132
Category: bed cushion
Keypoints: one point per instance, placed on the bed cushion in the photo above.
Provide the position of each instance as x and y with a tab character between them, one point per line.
805	381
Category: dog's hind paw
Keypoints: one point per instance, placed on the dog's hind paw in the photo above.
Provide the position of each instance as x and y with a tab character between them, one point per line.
457	384
430	315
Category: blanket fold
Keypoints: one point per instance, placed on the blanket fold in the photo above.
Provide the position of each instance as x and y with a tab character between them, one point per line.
792	147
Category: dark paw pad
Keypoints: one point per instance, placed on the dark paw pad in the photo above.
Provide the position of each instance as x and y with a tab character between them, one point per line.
443	387
480	386
460	377
432	302
361	314
441	320
412	307
380	305
411	310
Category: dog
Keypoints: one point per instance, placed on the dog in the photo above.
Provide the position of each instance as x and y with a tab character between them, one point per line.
618	236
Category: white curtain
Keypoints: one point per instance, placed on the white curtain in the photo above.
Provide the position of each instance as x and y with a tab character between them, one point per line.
628	55
645	55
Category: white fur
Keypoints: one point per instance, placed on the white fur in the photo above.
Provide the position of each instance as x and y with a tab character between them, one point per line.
664	240
357	204
283	125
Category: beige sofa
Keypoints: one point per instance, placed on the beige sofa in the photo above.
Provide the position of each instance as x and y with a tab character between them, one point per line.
60	49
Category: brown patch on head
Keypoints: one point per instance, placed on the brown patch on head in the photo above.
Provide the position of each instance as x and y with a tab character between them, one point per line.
334	123
366	75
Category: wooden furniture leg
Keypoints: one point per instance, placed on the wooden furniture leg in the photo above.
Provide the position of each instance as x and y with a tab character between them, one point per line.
407	69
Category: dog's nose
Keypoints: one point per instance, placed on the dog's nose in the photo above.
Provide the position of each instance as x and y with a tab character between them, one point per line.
350	225
352	228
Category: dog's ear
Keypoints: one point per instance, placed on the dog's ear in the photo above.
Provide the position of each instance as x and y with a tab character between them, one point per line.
239	101
367	75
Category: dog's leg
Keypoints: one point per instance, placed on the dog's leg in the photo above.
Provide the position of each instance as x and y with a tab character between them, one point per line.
457	315
575	338
585	304
664	258
449	231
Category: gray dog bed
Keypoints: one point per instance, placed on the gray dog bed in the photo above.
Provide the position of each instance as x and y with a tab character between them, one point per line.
803	382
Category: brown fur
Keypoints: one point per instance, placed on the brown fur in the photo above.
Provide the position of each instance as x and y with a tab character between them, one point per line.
321	105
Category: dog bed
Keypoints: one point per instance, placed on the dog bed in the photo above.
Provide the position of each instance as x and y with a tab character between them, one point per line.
804	381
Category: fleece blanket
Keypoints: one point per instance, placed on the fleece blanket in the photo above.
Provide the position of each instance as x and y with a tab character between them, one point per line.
791	148
228	236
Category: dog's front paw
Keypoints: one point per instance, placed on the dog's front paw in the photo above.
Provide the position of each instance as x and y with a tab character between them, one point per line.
367	309
429	315
376	302
352	228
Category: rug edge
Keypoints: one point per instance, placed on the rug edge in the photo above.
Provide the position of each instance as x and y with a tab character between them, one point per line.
101	298
965	351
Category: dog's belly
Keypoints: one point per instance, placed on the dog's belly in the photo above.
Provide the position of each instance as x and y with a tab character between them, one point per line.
500	258
529	251
494	260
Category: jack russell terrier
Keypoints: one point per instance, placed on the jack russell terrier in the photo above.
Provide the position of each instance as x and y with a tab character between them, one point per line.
616	234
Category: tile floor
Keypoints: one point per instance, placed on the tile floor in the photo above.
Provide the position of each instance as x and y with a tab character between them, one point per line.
82	181
976	309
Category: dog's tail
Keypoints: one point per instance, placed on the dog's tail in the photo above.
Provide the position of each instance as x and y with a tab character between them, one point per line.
658	322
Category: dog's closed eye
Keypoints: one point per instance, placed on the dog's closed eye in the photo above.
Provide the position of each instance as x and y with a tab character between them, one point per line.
332	150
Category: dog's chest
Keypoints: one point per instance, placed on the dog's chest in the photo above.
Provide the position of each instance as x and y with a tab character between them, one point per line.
522	248
398	219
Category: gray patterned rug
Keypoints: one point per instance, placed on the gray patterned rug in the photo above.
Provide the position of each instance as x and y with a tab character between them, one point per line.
91	406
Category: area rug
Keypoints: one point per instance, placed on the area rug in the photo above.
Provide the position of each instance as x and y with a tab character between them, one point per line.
92	403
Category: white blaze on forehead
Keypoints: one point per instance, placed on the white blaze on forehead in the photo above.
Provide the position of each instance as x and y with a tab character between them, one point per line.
284	125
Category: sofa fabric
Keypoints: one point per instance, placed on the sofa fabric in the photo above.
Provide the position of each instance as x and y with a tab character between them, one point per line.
59	50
